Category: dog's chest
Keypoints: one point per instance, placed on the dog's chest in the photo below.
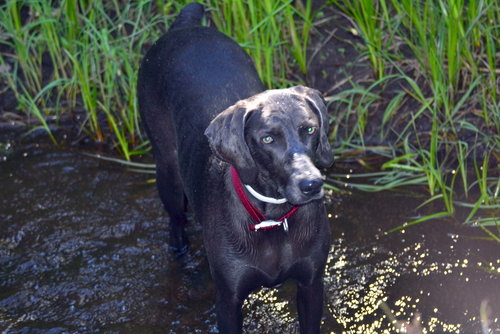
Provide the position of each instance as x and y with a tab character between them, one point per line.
275	260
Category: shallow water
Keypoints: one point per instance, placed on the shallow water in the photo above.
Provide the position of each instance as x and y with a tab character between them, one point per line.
83	250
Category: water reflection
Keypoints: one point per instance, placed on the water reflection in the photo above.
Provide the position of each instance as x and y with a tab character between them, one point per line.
83	249
425	269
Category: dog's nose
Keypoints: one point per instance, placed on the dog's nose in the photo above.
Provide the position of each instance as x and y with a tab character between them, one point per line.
310	187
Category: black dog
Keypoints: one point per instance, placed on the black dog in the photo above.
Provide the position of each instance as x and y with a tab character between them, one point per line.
214	127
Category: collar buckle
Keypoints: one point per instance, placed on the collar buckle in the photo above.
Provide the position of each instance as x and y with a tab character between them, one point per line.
270	224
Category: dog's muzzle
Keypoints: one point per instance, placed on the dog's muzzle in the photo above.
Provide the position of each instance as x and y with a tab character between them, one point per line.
305	182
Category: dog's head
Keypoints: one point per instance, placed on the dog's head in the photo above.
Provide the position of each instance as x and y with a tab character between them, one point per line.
278	135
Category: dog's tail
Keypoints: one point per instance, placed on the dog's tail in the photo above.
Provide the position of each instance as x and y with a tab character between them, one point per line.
190	15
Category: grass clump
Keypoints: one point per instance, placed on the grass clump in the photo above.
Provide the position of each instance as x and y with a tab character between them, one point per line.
81	57
444	58
274	33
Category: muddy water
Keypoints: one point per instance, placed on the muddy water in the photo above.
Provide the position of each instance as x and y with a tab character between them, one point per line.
83	250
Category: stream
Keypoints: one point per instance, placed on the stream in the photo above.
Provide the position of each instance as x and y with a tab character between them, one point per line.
83	249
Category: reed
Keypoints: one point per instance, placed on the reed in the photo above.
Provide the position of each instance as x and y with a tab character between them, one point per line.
274	33
94	49
455	46
368	23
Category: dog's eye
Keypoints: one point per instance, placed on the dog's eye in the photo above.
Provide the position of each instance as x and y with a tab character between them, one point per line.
267	139
310	130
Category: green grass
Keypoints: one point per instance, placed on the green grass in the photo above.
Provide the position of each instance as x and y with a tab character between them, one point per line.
443	55
95	48
452	87
274	33
364	14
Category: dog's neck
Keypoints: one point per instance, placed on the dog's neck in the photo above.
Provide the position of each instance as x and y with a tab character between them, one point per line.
262	193
264	198
265	195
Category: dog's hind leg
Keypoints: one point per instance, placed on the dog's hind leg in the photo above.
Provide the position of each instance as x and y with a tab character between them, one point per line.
171	192
160	127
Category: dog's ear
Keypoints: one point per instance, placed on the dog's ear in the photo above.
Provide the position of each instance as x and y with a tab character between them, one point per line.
315	101
226	136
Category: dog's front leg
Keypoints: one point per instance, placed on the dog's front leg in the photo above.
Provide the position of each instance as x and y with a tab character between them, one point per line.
310	306
229	315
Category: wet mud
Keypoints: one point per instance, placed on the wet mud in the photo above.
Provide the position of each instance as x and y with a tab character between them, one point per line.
83	249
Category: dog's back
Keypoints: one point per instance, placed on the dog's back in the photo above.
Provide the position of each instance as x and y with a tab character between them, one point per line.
224	74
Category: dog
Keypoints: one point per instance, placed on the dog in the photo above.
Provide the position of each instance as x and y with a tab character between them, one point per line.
246	160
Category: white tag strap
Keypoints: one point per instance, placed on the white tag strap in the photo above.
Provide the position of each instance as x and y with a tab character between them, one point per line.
263	198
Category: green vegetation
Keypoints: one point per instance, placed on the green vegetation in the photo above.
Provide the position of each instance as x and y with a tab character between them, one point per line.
443	57
95	48
269	31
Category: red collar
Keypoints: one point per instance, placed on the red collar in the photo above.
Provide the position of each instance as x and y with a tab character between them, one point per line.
262	223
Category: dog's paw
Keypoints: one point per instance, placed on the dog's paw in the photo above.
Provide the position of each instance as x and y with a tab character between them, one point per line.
180	251
179	242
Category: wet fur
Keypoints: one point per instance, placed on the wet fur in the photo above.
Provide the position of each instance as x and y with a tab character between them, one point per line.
204	108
